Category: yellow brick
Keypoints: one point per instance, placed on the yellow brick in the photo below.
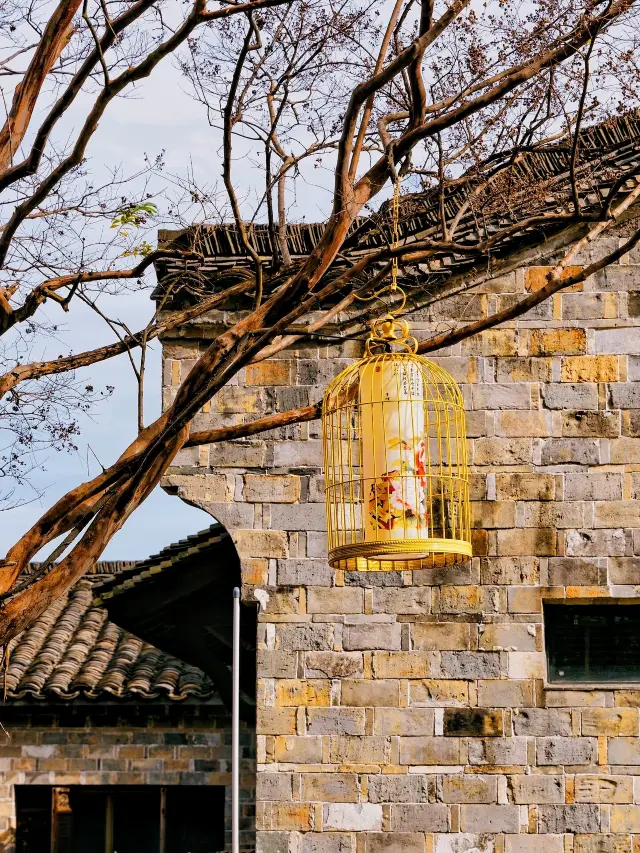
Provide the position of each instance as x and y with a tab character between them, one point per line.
280	816
535	278
586	368
437	692
614	722
403	664
521	423
291	692
558	341
175	372
255	571
625	818
276	721
269	373
497	342
261	543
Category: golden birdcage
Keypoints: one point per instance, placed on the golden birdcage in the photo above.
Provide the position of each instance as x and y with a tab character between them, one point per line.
396	476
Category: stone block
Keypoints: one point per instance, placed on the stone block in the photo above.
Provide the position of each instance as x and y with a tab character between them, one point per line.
205	488
276	721
624	750
409	600
571	751
270	488
441	635
595	543
437	693
394	842
591	424
624	570
505	694
590	368
573	818
542	722
525	487
616	514
423	817
400	788
494	396
527	665
559	514
261	543
335	600
473	722
603	789
333	664
528	541
272	842
336	721
557	342
523	370
625	451
375	635
572	571
534	844
358	750
535	789
569	395
355	817
369	693
324	842
284	816
621	341
465	788
310	516
404	664
601	844
316	637
625	395
403	721
238	454
492	514
586	306
470	665
520	423
501	451
625	818
489	818
275	372
274	786
329	787
234	399
612	722
297	454
276	664
592	485
465	843
291	692
570	451
430	750
510	570
298	750
500	752
508	635
304	572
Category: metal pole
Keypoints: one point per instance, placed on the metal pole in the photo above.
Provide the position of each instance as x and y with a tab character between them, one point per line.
235	726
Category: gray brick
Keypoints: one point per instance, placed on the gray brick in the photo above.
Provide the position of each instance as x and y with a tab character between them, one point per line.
570	451
274	786
470	665
515	395
324	842
569	395
566	750
539	722
625	395
375	635
624	341
579	817
310	516
536	788
400	788
624	750
592	485
420	818
489	818
304	573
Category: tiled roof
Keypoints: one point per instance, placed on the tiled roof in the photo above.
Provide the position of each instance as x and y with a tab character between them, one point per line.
73	652
539	180
169	557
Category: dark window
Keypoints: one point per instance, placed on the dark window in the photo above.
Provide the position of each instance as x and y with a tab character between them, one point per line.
132	819
592	642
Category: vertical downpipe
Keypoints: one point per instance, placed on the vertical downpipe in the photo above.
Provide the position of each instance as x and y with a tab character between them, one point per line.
235	726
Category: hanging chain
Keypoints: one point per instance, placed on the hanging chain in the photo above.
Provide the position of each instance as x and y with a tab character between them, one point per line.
395	234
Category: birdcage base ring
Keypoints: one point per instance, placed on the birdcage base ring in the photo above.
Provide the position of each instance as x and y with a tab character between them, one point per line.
407	553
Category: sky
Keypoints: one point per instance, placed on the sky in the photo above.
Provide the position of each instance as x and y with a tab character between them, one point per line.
159	115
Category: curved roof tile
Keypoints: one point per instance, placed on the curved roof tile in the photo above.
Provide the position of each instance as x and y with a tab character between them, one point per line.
72	651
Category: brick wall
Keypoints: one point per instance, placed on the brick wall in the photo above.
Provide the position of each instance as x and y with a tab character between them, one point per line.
408	711
129	746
